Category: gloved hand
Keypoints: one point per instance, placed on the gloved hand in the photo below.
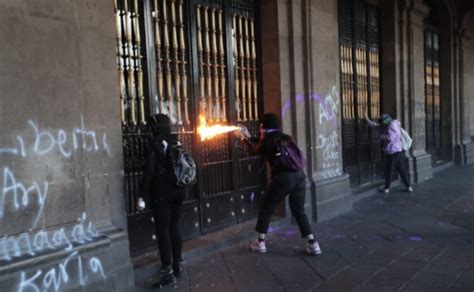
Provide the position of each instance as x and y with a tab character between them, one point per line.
242	133
245	132
141	204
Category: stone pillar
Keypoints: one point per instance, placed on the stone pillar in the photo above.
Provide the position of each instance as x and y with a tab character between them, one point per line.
307	83
412	15
467	84
464	148
331	193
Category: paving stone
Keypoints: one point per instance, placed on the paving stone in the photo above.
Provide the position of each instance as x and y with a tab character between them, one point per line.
290	269
417	243
262	288
327	265
350	278
391	277
466	281
435	281
213	286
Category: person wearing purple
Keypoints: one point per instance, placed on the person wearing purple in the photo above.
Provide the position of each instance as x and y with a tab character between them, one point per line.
392	146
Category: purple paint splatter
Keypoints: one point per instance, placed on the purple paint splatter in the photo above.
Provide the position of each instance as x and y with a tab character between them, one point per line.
299	98
415	238
288	233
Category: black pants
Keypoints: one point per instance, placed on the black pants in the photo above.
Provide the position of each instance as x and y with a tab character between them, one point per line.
294	184
396	161
166	216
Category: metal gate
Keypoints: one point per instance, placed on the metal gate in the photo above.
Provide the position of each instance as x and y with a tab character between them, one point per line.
432	92
360	86
189	59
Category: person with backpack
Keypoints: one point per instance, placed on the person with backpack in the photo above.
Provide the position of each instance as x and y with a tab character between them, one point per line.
287	178
164	184
394	147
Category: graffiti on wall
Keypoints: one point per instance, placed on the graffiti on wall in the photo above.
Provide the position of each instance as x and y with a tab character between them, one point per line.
29	196
65	142
327	141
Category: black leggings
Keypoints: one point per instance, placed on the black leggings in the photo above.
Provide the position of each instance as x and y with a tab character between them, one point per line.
294	184
396	161
170	245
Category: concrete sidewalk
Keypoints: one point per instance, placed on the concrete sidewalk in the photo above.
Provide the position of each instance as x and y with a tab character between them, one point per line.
398	242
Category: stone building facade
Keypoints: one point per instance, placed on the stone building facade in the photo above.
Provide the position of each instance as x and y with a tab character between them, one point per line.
67	177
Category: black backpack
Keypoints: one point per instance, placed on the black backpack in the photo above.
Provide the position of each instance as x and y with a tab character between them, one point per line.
182	168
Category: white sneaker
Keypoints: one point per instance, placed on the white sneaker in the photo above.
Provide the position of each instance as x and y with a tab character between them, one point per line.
384	190
313	248
258	246
410	189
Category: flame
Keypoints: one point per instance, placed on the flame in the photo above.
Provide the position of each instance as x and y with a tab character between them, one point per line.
208	132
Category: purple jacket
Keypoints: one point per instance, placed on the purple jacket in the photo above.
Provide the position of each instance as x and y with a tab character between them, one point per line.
391	136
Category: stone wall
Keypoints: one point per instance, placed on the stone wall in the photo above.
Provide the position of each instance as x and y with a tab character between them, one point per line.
307	88
62	216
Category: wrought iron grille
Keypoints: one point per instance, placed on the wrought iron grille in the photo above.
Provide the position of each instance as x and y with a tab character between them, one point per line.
432	92
360	86
186	59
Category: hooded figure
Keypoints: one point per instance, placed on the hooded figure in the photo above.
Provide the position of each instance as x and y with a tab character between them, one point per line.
164	197
270	121
160	125
391	137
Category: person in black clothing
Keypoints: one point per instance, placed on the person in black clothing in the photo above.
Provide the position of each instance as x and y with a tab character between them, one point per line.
165	198
284	182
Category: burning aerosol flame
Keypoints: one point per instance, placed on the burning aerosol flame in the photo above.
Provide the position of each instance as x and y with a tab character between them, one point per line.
208	132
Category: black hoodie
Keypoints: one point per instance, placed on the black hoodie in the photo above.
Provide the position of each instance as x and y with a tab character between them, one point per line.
157	179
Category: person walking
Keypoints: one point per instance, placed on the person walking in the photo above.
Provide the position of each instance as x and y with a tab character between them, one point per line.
165	197
392	147
287	179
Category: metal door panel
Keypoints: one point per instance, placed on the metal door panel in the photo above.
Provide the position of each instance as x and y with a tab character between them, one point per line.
186	58
360	88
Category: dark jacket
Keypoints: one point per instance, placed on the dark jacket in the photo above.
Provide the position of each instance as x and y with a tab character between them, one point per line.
158	181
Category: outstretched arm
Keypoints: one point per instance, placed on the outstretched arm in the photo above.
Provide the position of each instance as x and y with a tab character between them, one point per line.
253	144
371	123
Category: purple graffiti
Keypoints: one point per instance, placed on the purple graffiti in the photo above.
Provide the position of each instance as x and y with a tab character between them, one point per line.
328	106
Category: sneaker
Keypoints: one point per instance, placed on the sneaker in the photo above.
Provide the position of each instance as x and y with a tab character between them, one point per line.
313	248
410	189
177	269
167	277
258	246
384	190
